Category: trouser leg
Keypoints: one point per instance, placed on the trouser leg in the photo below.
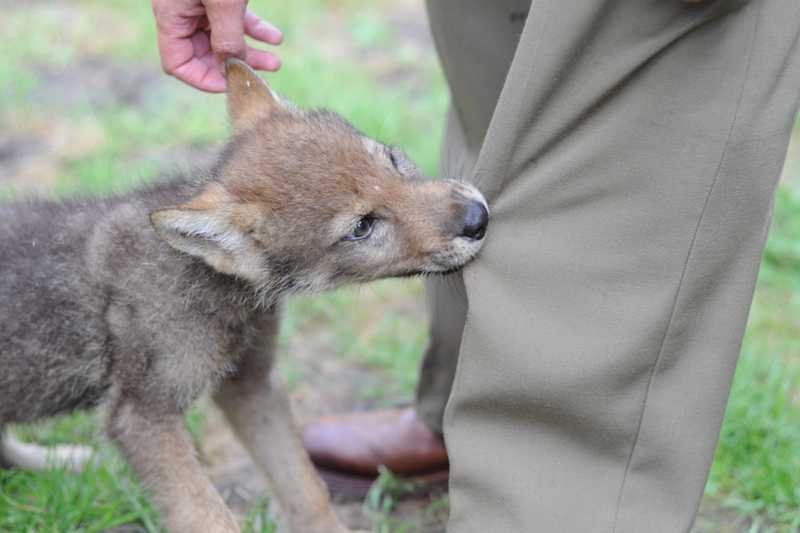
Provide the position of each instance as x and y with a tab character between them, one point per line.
447	305
630	165
496	24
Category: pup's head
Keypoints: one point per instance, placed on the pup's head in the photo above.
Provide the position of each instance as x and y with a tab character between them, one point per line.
304	201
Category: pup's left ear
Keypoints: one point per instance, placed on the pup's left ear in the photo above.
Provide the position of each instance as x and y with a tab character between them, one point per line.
249	96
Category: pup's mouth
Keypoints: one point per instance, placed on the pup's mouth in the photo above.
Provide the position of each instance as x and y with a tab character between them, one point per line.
451	270
459	253
429	273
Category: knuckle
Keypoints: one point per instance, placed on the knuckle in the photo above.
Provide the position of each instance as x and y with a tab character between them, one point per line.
224	5
226	47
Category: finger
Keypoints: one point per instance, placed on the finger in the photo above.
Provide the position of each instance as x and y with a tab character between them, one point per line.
261	60
261	30
201	75
199	67
226	20
174	52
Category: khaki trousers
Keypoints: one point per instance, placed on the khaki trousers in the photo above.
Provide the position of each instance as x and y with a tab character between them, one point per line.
630	150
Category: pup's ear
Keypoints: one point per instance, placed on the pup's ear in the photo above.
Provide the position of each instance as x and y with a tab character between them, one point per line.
249	96
202	229
201	233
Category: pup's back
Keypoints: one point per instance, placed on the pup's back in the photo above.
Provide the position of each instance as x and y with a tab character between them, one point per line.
49	320
55	347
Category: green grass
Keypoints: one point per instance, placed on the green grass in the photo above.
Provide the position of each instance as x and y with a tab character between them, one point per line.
347	56
757	463
756	468
102	496
383	500
259	519
370	327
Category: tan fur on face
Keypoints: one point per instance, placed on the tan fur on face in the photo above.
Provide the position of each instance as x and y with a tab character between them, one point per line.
293	185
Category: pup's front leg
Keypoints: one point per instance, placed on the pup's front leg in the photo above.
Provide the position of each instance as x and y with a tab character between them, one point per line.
258	409
160	451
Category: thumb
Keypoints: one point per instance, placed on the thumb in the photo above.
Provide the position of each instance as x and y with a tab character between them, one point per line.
226	21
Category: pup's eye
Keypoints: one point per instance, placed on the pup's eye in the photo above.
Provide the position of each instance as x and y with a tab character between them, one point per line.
362	230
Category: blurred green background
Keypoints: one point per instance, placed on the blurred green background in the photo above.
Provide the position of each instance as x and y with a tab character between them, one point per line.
86	109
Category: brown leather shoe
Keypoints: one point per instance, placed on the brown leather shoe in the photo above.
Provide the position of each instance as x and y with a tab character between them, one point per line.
349	449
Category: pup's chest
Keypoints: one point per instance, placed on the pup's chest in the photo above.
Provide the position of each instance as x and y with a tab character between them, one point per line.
246	340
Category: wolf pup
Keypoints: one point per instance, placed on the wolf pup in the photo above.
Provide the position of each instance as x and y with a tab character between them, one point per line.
143	301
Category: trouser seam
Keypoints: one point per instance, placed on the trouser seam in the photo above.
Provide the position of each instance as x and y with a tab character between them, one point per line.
682	279
491	132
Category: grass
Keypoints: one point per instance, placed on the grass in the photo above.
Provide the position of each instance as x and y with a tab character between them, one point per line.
103	496
389	340
386	496
756	468
98	132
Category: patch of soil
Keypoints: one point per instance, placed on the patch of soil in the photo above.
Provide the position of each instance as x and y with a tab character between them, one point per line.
22	161
99	82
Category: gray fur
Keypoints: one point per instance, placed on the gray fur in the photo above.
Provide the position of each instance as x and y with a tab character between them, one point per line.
92	297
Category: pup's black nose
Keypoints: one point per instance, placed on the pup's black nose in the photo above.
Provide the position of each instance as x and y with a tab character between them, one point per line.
475	221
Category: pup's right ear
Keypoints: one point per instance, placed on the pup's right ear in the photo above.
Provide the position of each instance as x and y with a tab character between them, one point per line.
249	96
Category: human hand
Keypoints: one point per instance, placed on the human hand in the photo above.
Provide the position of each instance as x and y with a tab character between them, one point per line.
196	36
